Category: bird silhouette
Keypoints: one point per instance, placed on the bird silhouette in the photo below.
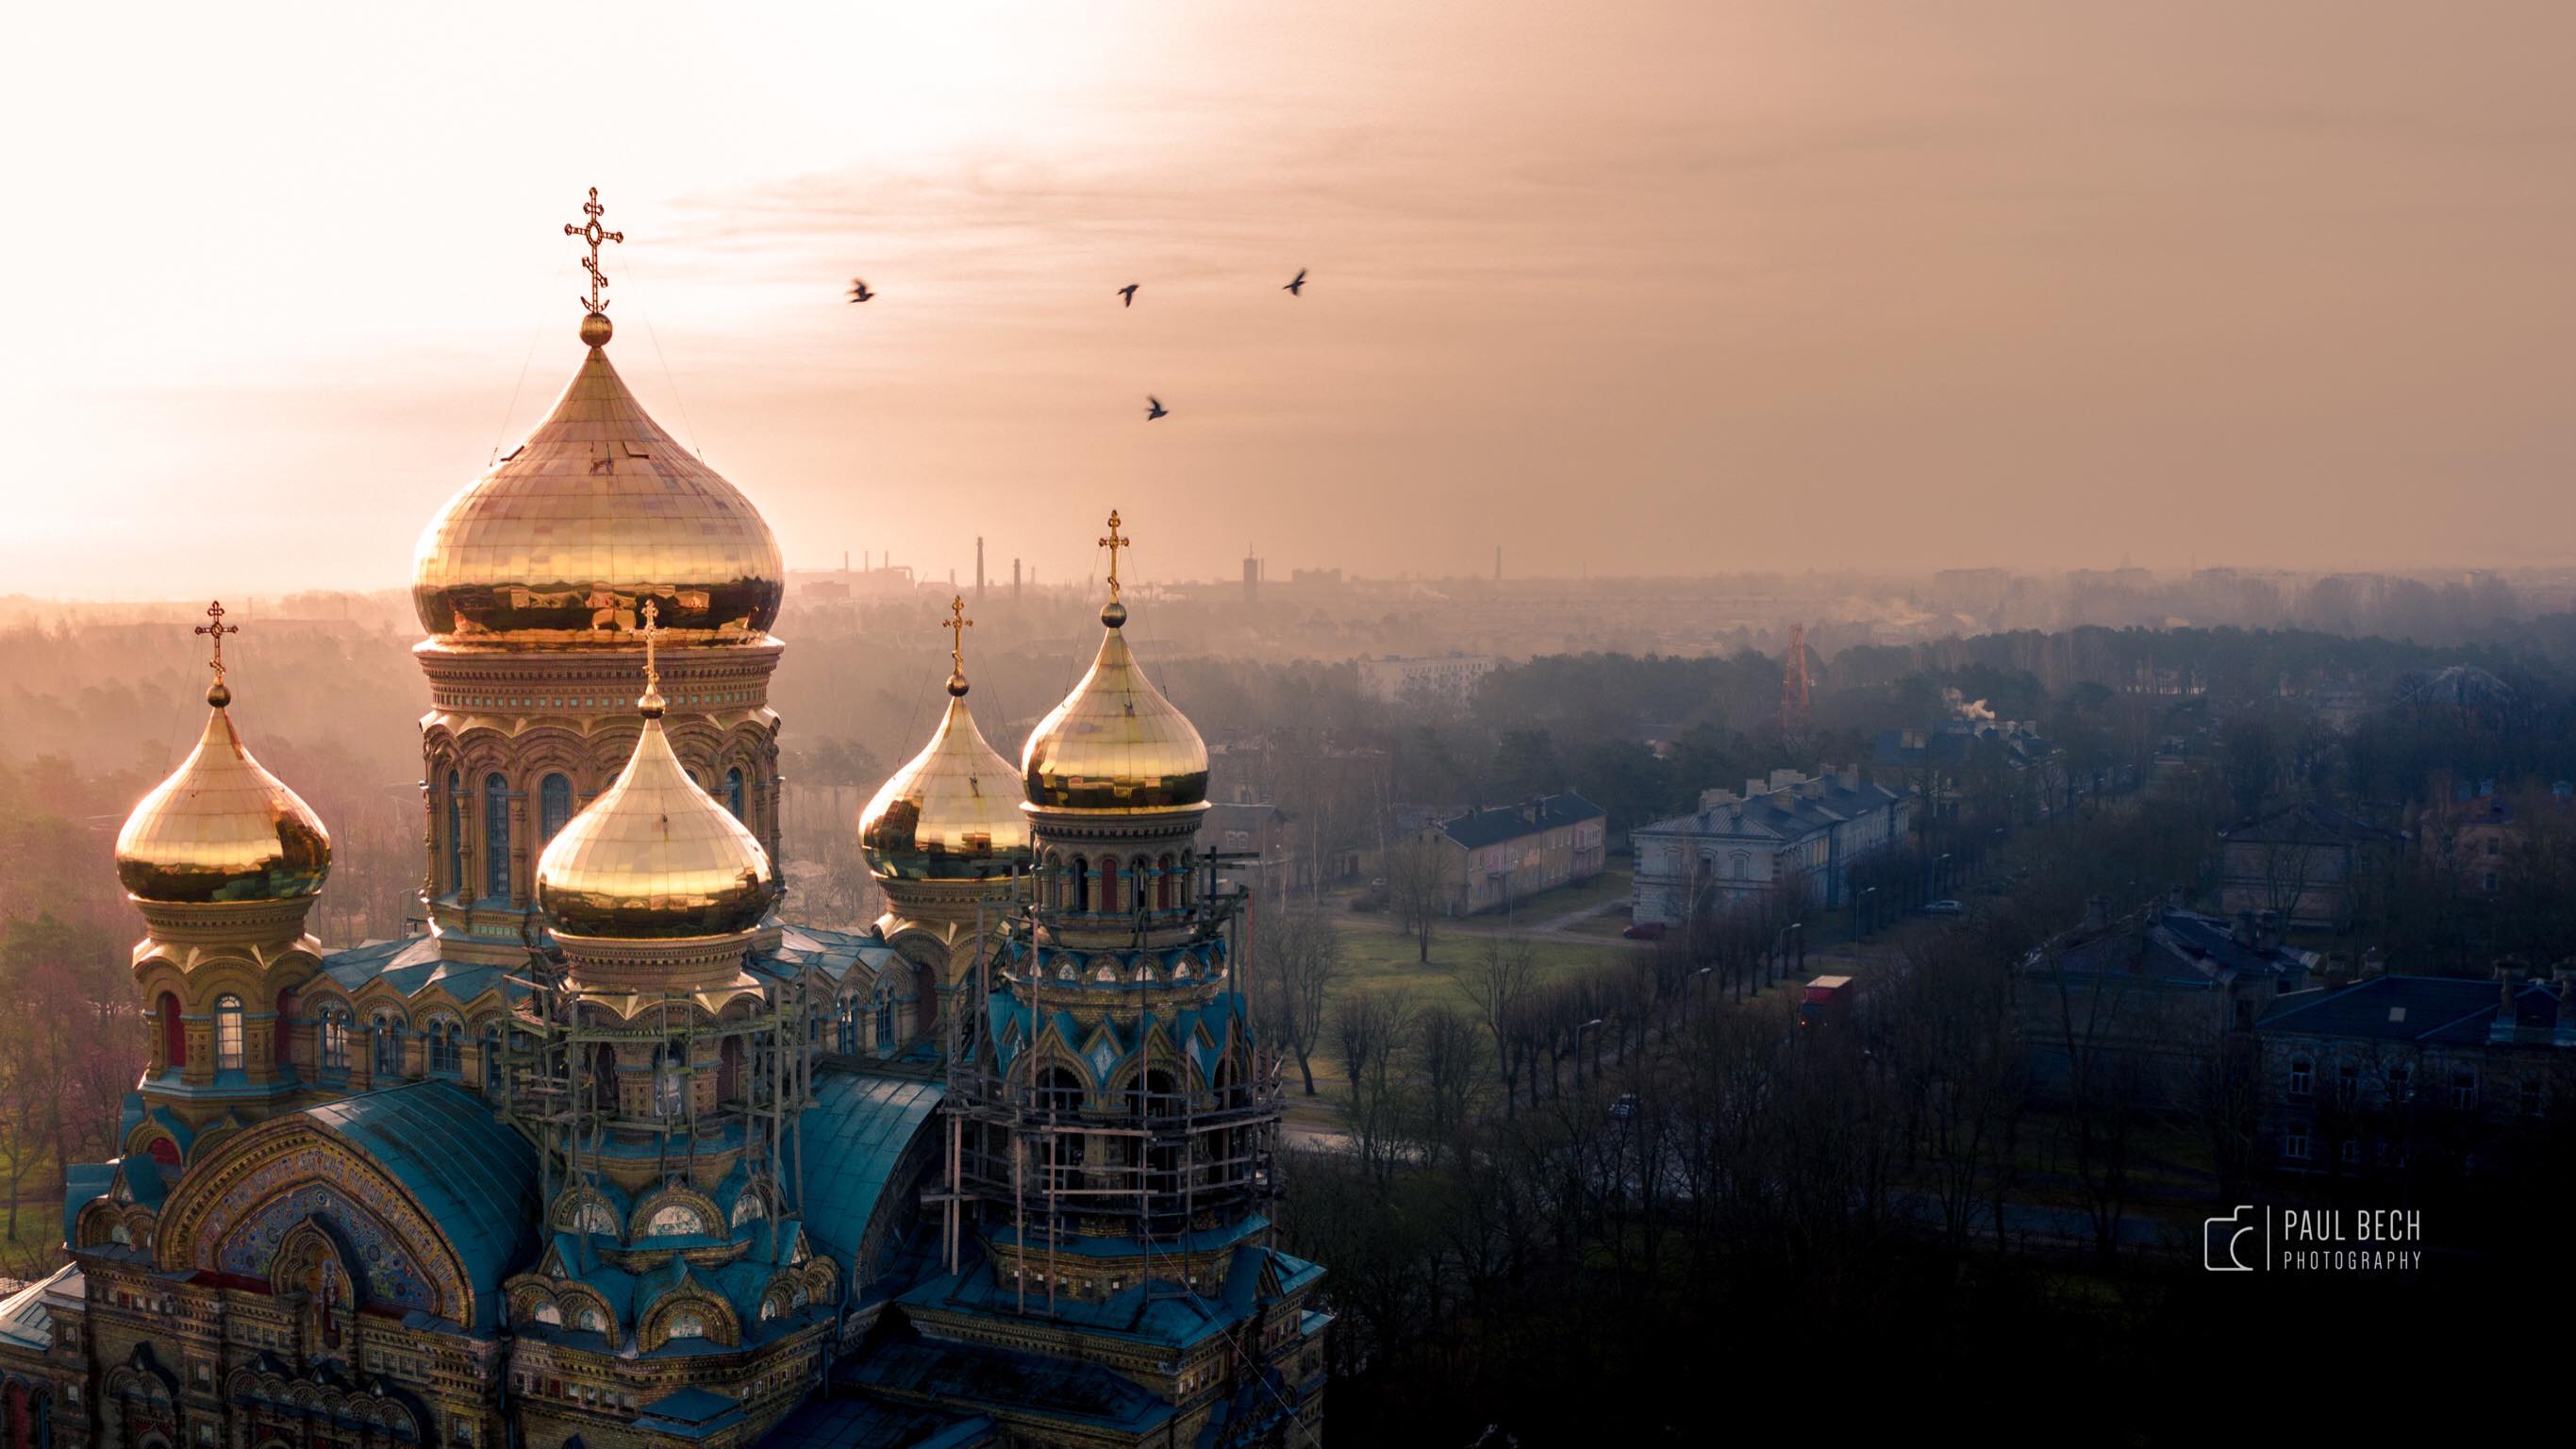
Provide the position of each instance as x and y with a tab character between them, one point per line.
1297	288
1154	408
859	290
1129	292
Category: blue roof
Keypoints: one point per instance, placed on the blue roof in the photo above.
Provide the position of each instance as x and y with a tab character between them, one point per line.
951	1374
852	1137
473	1175
838	1421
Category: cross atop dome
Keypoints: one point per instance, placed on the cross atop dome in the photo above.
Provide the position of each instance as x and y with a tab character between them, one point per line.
218	693
594	323
957	624
652	701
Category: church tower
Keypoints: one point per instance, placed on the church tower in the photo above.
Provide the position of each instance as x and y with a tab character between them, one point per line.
532	584
947	841
1112	1129
223	861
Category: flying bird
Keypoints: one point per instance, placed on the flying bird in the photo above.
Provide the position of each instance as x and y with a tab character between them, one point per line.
859	290
1297	287
1129	292
1154	408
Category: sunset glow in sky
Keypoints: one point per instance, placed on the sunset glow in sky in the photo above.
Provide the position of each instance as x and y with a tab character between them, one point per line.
1638	288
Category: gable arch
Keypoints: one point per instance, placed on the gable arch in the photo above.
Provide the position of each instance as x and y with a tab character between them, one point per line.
249	1196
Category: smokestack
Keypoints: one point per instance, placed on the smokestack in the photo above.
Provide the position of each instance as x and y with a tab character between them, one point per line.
1015	578
845	560
979	568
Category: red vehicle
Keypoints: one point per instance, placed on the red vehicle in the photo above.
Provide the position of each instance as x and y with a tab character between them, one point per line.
1644	931
1827	1003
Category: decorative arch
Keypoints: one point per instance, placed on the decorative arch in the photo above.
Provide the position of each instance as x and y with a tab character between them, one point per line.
685	1313
247	1200
658	1215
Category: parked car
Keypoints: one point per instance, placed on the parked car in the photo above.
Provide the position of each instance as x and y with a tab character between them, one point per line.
1643	931
1941	908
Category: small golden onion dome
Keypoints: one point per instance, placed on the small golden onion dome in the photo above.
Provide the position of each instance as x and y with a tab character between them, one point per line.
222	828
953	812
561	543
655	857
1115	744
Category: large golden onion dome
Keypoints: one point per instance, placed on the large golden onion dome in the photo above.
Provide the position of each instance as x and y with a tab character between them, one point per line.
953	812
655	857
562	542
222	828
1115	744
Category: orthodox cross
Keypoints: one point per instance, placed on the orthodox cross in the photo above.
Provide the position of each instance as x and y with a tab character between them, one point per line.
216	626
652	673
593	233
1113	543
957	624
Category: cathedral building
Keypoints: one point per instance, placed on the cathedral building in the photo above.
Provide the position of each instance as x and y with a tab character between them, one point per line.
610	1155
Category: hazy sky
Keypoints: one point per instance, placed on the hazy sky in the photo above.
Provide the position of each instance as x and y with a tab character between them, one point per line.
1625	287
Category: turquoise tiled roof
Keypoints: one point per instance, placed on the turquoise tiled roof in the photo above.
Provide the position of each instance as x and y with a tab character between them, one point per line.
853	1136
474	1176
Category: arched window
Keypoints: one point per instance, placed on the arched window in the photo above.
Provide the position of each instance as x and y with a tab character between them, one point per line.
848	1035
587	1320
675	1221
594	1217
228	1033
554	806
492	1058
446	1048
749	1208
547	1312
496	836
733	792
388	1046
667	1083
174	1033
885	1022
456	834
1163	884
335	1038
685	1324
1081	884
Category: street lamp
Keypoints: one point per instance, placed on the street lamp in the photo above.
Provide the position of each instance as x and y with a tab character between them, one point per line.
1703	991
1578	1048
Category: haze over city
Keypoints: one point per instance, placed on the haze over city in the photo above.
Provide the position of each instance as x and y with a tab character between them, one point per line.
1666	289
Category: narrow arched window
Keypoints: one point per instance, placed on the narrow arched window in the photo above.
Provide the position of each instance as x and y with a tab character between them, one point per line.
554	806
455	833
492	1058
496	836
388	1048
733	792
1081	884
446	1048
335	1039
667	1083
1163	884
847	1037
885	1024
174	1033
228	1033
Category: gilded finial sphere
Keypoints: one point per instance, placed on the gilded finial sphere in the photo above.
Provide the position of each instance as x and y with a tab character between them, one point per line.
1113	614
596	330
218	695
957	684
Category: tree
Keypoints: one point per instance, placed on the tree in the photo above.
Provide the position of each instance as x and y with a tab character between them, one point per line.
1499	980
1300	956
1419	880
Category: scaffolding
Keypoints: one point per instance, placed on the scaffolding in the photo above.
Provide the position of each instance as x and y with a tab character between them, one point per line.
1166	1156
563	1055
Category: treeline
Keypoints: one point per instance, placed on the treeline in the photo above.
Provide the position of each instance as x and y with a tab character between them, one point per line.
1713	1213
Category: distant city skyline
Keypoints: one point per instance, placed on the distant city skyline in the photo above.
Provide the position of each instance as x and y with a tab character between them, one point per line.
1682	289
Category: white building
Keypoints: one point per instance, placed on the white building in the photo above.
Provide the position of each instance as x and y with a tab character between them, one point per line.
1811	826
1449	677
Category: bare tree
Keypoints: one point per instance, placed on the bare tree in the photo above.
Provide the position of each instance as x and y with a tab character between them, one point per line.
1499	980
1301	959
1418	884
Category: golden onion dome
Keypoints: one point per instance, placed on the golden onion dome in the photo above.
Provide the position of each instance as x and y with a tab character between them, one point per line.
1115	744
953	812
599	510
655	857
222	828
